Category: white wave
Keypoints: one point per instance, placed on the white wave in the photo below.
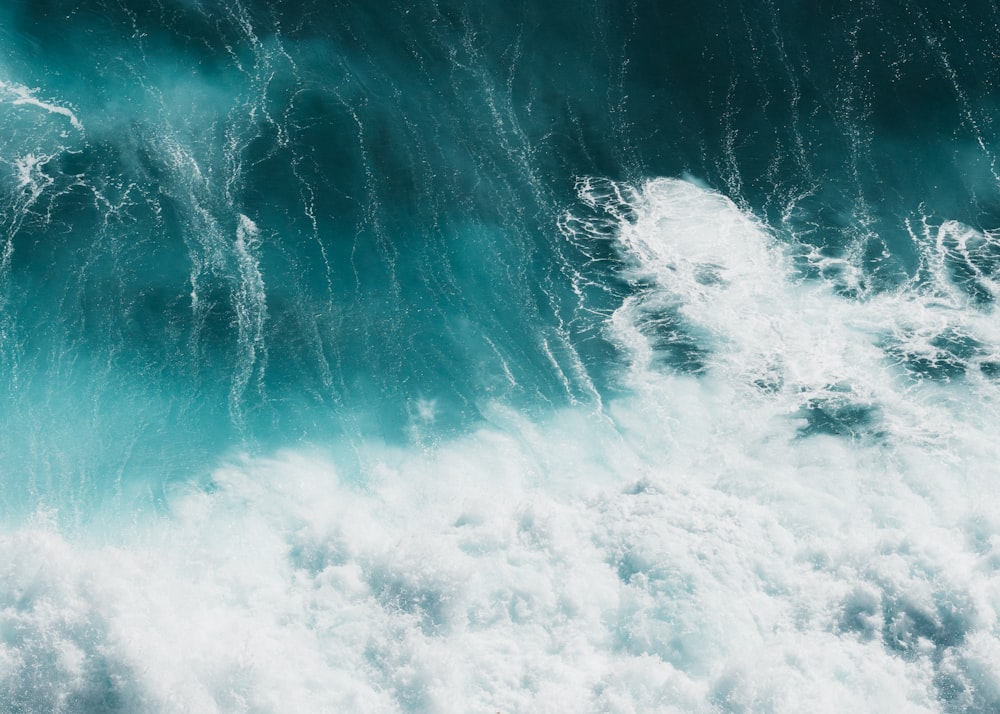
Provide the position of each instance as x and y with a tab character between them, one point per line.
691	549
546	568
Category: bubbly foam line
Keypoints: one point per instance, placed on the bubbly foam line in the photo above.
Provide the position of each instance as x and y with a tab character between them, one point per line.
24	96
251	311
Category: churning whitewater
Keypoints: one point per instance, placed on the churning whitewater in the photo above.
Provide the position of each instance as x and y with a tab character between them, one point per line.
465	357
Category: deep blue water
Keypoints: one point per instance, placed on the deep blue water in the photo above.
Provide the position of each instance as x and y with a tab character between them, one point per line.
743	256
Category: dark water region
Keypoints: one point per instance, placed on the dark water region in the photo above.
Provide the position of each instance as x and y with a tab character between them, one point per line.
260	224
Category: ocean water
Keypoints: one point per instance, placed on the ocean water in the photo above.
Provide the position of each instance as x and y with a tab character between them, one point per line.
499	357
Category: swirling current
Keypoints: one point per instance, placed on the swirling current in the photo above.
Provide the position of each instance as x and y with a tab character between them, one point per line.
458	356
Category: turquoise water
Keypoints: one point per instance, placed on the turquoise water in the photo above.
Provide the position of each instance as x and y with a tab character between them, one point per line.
499	357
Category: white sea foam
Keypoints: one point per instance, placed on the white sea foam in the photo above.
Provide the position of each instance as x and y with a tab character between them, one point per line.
696	547
31	179
19	95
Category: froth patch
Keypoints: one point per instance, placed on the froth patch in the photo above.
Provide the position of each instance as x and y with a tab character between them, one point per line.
694	234
715	295
715	290
658	562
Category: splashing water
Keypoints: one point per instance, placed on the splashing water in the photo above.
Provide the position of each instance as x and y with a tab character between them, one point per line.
469	358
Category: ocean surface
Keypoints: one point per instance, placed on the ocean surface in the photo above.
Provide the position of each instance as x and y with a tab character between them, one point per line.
521	356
